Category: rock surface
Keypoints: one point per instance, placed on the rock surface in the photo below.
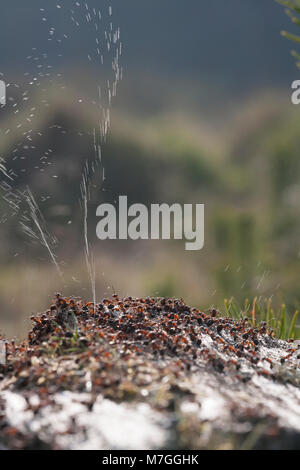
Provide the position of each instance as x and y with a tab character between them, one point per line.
148	374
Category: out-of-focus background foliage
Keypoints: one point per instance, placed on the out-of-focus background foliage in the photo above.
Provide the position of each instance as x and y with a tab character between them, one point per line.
203	115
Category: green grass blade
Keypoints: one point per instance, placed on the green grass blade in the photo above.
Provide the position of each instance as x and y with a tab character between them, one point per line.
226	307
268	312
293	18
234	309
253	312
289	4
282	330
293	325
290	36
296	55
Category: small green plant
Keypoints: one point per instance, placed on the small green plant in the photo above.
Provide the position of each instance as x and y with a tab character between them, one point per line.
293	11
280	322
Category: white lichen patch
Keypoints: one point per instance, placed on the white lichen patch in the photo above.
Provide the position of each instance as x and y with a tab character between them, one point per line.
108	426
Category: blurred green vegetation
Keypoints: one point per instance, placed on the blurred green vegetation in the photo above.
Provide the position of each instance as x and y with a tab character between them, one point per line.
249	183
